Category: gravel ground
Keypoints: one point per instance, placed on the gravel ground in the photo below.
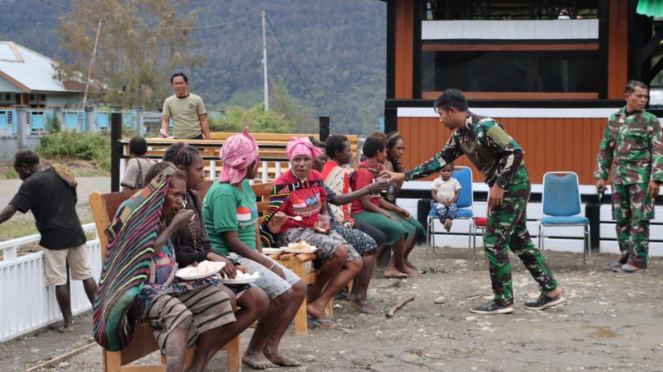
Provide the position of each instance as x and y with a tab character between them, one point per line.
609	322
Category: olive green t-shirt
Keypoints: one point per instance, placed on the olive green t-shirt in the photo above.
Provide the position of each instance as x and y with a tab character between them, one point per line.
185	112
225	208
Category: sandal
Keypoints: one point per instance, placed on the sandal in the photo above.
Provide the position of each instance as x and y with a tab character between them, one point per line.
627	268
319	323
615	267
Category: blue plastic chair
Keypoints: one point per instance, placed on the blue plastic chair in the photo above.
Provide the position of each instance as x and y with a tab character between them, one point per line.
562	207
464	203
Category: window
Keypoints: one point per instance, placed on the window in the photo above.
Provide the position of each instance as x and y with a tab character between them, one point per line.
511	71
508	9
32	97
8	96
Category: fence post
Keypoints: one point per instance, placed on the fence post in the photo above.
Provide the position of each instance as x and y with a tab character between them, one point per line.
22	125
116	134
57	114
138	121
324	128
90	119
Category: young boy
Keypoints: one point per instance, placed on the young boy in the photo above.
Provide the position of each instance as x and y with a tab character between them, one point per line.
138	166
445	193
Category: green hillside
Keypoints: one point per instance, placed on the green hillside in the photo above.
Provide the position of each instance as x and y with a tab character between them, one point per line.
338	46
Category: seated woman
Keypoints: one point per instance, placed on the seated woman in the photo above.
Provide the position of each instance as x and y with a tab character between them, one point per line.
366	239
394	221
138	279
192	244
300	192
231	216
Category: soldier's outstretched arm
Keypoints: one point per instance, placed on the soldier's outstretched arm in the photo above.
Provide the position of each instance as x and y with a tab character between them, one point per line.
604	158
656	152
449	153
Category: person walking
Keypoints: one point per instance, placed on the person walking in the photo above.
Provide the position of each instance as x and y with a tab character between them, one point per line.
500	159
50	193
187	111
632	139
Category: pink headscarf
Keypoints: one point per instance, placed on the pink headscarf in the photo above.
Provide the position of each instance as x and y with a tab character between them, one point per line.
301	146
238	152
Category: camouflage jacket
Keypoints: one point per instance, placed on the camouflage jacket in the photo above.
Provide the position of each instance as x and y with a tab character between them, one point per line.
634	143
495	154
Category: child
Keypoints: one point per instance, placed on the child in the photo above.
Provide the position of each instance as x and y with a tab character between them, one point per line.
138	165
446	191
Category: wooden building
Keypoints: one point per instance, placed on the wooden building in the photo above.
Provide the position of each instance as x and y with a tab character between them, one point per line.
550	71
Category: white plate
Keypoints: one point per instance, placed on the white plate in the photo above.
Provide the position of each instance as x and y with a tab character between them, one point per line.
292	250
188	273
272	250
239	281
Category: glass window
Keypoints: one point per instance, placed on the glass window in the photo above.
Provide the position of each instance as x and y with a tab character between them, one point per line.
511	71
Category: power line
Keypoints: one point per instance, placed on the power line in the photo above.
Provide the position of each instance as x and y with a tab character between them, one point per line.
308	89
108	19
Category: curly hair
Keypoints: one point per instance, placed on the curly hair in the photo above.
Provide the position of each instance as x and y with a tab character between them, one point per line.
335	143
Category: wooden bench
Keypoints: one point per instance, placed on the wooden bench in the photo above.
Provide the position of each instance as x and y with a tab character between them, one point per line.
294	262
104	208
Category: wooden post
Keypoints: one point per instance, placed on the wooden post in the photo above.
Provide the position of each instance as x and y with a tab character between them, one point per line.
116	135
324	128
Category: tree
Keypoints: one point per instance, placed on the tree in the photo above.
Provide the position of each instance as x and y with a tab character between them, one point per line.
256	118
140	45
291	108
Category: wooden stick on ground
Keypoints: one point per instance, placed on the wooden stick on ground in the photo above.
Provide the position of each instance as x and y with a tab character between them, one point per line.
399	306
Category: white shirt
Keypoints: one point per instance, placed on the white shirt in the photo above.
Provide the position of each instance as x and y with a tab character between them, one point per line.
446	190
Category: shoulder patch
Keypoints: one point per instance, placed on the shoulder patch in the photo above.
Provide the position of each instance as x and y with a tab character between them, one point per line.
499	136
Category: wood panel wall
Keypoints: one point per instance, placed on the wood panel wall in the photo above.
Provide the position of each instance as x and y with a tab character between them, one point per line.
617	48
549	144
404	48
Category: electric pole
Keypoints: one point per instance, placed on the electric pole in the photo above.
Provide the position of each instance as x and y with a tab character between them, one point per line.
264	60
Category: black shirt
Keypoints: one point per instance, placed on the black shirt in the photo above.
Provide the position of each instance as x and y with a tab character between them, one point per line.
53	203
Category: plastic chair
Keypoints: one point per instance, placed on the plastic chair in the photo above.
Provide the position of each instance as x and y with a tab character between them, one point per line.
464	203
561	207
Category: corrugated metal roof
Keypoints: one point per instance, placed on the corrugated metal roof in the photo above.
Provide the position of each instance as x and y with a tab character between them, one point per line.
29	69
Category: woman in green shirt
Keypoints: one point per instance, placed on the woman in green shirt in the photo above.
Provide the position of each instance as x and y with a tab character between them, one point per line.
231	217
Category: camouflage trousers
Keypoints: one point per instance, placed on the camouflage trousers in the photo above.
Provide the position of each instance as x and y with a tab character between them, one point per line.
507	229
632	209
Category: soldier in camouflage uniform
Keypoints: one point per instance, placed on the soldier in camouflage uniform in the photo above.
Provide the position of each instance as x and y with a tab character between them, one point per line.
633	140
500	159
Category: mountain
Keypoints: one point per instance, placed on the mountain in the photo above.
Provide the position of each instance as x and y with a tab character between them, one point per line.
339	47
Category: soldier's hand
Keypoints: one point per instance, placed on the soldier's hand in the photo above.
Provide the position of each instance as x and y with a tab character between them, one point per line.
653	188
495	196
600	184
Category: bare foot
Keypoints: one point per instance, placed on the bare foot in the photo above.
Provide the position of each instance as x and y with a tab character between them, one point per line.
556	293
280	359
66	329
393	273
318	312
364	306
410	272
257	361
410	265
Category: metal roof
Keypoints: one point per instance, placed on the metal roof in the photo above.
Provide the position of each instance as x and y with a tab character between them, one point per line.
28	69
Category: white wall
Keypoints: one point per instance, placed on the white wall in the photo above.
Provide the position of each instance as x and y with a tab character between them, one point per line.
7	86
556	29
64	100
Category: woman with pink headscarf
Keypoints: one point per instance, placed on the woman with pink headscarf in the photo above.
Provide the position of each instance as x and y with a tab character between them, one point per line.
300	192
231	216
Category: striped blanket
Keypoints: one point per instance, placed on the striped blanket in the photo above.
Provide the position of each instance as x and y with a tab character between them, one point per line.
132	237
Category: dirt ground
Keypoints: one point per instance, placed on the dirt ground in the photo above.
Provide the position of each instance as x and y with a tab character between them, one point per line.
609	322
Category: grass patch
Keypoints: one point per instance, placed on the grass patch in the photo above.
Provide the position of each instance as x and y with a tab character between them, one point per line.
24	227
81	146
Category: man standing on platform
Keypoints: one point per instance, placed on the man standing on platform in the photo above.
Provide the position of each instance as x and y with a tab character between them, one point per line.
187	111
632	139
500	159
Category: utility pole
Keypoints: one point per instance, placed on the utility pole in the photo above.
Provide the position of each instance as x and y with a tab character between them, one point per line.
89	70
264	61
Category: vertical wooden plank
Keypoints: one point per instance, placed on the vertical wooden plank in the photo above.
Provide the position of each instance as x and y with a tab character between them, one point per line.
617	48
398	55
408	48
571	144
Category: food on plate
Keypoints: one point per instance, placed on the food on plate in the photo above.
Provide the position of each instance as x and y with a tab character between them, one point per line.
207	267
240	275
301	245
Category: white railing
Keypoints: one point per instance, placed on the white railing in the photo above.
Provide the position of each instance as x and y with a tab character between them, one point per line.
26	304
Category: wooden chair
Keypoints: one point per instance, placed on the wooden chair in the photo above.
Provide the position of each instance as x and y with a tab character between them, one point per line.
104	208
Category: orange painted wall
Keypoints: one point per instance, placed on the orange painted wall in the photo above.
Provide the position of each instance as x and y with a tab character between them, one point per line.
404	48
617	48
549	144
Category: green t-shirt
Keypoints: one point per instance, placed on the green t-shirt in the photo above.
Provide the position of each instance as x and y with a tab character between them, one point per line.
185	113
227	209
